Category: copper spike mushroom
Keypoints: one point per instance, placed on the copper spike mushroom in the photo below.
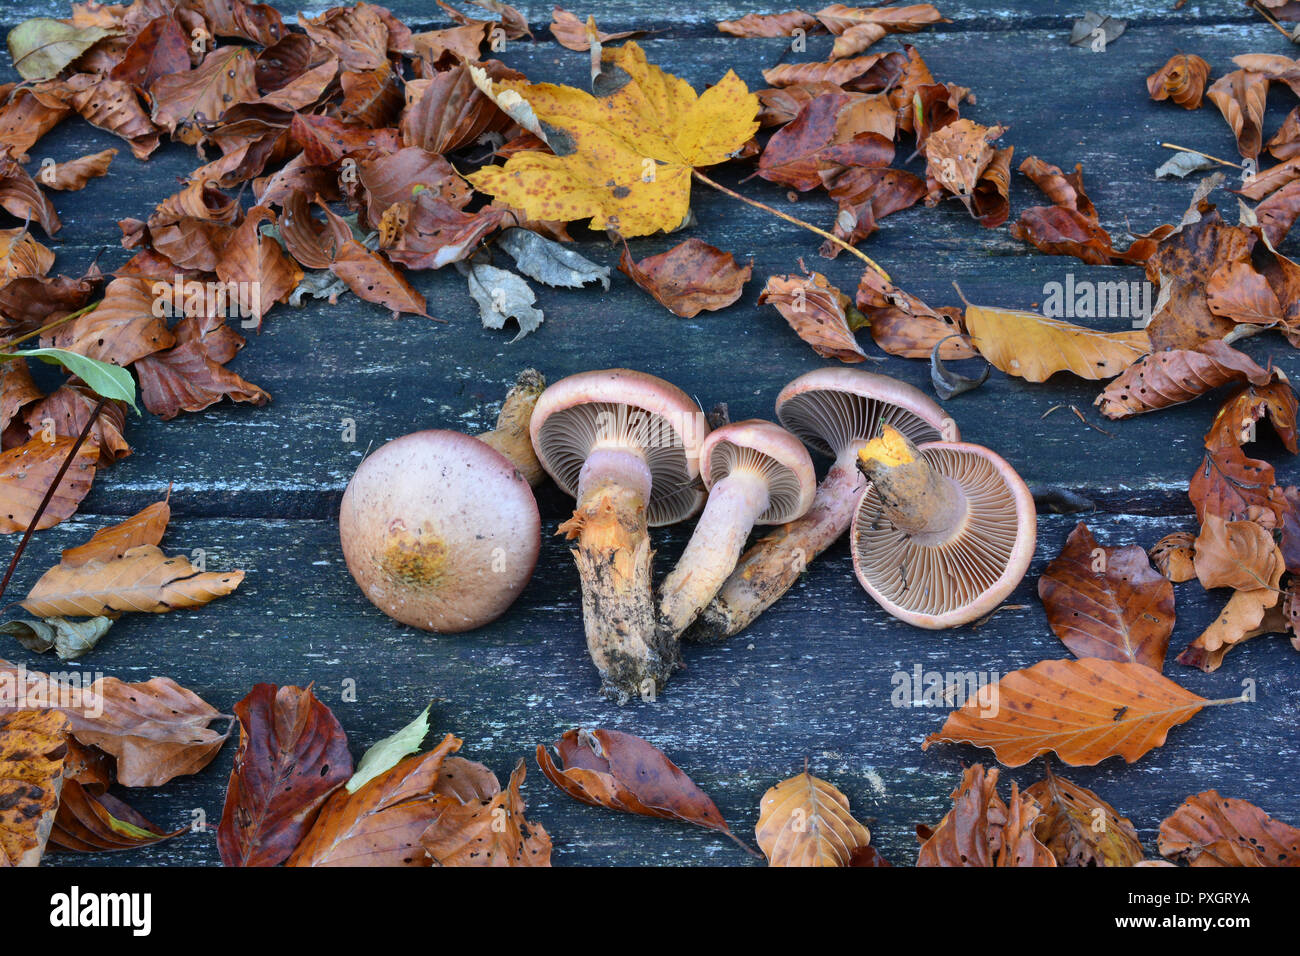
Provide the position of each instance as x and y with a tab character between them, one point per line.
835	411
943	533
440	530
627	446
756	473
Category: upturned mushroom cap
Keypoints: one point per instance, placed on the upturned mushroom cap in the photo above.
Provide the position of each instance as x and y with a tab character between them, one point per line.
772	453
621	408
830	408
945	579
440	531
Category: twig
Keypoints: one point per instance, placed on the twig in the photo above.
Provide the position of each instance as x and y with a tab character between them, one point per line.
1098	428
1277	26
1197	152
49	492
788	218
8	346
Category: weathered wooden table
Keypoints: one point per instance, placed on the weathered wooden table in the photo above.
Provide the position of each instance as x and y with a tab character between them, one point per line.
258	488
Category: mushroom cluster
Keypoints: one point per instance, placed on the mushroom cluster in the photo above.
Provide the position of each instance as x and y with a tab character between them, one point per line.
441	530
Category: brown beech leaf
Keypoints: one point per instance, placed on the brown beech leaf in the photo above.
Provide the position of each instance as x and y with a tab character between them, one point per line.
256	268
1235	423
400	176
381	824
359	35
21	256
141	579
192	376
1245	616
156	730
797	152
1174	376
1289	526
33	746
1076	833
90	822
1240	97
856	73
446	110
571	32
1174	556
1279	211
1034	347
26	115
818	312
1210	830
66	411
805	821
608	768
1108	602
857	28
1235	488
292	755
430	232
21	197
487	830
161	48
121	329
26	473
1083	711
1182	79
17	391
374	279
372	98
982	830
184	103
1237	554
75	173
753	25
903	325
866	196
1070	226
113	105
144	527
689	278
1236	291
959	158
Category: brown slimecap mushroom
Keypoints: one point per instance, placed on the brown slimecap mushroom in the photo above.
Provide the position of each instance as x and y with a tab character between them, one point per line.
626	445
440	531
511	436
756	473
836	411
943	533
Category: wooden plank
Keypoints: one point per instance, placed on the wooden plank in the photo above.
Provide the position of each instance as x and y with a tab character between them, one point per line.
812	679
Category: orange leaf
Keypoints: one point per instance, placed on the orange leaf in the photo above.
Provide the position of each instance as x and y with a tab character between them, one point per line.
1210	830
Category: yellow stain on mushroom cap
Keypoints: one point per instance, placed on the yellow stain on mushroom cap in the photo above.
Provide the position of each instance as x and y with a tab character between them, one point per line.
416	561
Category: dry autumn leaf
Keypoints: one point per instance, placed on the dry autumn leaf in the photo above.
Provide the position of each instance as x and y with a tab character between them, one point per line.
1080	828
1272	398
820	314
805	821
374	279
1108	602
689	278
141	579
1083	711
571	32
1182	79
624	157
90	822
192	376
1174	376
1174	557
1241	96
1235	488
33	746
144	527
1237	554
487	829
1210	830
983	830
903	325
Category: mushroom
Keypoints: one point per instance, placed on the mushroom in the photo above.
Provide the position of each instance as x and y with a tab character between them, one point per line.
756	473
440	530
943	533
626	445
835	411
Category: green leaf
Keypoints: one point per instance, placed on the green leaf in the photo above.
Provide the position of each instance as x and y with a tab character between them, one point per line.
42	47
386	754
68	639
106	381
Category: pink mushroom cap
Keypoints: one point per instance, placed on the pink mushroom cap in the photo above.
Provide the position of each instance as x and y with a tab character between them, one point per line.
771	451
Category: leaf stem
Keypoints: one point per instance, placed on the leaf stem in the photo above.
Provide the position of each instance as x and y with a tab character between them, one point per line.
8	346
49	492
788	218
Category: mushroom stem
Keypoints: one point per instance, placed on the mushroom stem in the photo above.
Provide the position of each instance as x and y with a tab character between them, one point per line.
511	436
613	558
916	499
734	505
773	564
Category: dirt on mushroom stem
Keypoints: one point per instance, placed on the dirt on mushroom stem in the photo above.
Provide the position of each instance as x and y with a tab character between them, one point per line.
914	496
774	563
613	557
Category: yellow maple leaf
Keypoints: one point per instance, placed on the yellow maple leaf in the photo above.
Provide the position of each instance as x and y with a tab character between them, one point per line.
622	157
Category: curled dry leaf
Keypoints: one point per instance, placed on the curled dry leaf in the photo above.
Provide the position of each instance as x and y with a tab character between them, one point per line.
1108	602
1274	399
75	173
1034	347
292	755
487	829
1239	555
185	103
820	314
374	279
192	375
33	747
753	25
121	329
22	198
828	131
141	579
1240	97
571	32
90	822
26	473
66	412
1182	79
982	830
1174	376
1247	614
1174	556
805	821
961	159
381	824
1278	213
1210	830
256	268
689	278
859	72
1235	488
865	196
144	527
903	325
156	730
1236	291
1083	711
608	768
1080	828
